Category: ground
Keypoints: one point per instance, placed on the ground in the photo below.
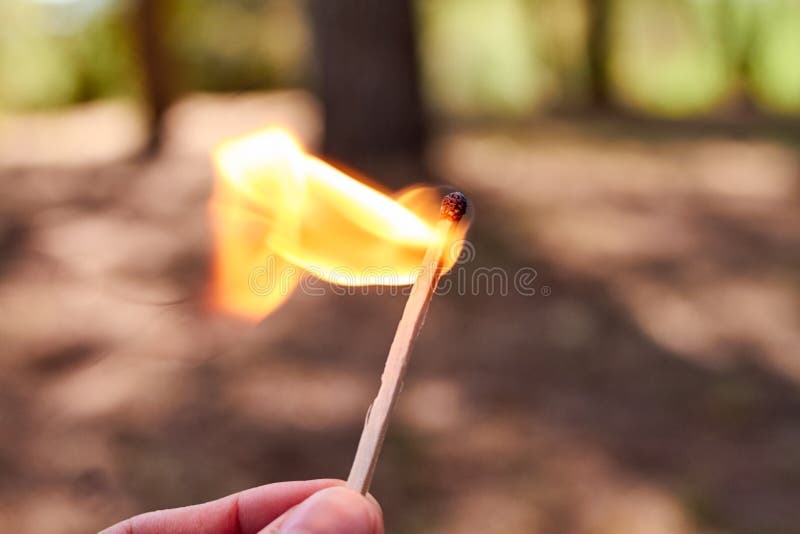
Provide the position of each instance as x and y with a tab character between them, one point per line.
648	385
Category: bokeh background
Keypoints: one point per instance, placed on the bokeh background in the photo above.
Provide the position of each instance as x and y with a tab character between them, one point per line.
643	156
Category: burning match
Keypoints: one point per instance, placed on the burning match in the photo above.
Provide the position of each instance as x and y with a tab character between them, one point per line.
453	208
275	200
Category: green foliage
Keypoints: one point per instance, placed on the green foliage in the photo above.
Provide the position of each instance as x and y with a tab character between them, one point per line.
34	70
504	58
561	30
775	56
480	57
667	57
230	45
102	53
48	59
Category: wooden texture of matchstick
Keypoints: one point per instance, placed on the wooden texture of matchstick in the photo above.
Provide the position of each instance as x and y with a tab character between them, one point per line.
377	421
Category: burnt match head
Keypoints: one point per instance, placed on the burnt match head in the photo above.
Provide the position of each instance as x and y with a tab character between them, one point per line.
454	206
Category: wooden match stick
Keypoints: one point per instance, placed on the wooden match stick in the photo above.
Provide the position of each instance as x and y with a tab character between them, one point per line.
369	446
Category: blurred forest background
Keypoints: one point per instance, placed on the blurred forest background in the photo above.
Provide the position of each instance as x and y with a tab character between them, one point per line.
642	155
505	59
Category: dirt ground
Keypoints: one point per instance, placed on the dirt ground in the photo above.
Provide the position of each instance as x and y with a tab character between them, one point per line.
650	385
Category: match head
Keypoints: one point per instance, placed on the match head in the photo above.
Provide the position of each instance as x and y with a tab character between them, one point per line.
454	206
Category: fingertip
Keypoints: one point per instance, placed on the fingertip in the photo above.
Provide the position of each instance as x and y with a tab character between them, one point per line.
335	510
377	506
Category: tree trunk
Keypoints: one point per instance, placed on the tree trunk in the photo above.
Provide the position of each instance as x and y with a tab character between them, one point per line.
368	82
149	24
597	43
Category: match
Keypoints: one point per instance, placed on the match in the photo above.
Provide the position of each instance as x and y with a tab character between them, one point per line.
454	205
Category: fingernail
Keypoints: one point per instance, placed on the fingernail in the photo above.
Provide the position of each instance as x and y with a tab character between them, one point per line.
335	510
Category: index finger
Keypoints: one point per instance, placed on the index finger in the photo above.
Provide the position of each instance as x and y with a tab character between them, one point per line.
246	512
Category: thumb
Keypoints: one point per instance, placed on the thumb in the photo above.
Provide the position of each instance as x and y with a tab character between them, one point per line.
336	510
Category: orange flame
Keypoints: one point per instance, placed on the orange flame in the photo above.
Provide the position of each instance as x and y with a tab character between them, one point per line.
278	212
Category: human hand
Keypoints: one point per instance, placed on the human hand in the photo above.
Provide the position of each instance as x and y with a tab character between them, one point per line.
307	507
